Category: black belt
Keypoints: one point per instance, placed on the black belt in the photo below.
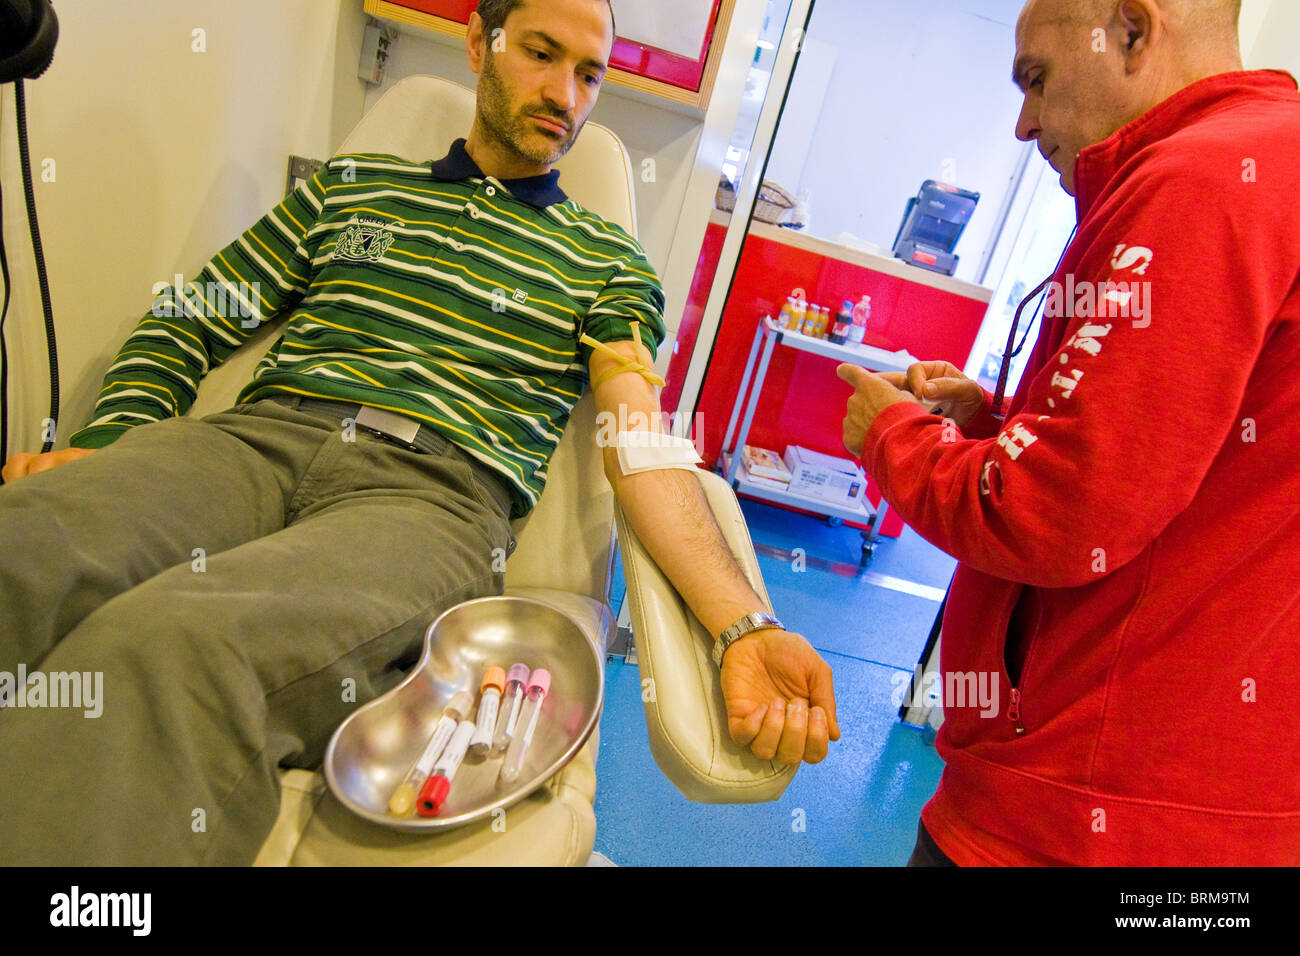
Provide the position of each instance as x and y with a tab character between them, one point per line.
407	433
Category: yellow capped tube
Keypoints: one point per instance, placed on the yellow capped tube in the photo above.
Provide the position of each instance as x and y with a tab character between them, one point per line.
403	800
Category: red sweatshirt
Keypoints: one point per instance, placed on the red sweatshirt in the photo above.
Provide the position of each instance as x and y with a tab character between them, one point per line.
1129	542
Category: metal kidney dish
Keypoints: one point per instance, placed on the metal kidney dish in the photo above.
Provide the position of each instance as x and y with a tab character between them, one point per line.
373	749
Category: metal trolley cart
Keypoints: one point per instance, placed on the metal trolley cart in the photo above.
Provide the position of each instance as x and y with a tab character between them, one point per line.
731	463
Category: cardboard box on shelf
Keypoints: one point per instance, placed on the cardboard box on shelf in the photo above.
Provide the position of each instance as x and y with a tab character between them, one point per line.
835	480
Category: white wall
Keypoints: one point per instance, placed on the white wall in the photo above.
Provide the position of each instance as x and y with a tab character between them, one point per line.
804	108
1253	15
914	86
163	156
1275	44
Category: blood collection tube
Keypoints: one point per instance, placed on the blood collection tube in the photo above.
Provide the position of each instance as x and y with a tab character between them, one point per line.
403	798
434	792
516	680
538	685
489	703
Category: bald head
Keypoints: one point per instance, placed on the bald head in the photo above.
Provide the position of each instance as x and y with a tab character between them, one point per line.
1191	23
1220	15
1088	67
1217	19
1201	12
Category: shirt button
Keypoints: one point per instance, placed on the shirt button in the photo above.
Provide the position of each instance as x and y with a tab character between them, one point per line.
473	213
491	191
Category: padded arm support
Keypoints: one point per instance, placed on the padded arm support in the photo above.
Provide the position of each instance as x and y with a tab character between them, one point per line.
686	717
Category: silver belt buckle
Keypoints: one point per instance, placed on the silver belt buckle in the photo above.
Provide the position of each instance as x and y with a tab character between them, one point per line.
397	427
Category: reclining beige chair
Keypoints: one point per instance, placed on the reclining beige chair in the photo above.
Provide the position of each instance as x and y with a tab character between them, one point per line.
565	558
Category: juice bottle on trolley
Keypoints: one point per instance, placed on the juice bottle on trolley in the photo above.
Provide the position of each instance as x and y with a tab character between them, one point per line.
799	309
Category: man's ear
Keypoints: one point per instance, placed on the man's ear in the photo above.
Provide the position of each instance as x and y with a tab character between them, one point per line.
476	43
1139	22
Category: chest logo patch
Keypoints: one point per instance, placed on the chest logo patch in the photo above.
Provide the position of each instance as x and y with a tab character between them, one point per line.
364	241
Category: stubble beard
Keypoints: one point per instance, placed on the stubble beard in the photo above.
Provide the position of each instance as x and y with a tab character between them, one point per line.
512	130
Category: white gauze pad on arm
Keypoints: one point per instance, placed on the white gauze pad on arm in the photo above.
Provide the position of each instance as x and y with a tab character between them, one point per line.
641	451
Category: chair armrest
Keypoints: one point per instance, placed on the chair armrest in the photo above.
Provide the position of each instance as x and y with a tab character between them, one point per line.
686	718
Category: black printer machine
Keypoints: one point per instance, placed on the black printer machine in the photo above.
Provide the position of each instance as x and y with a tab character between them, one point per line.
932	223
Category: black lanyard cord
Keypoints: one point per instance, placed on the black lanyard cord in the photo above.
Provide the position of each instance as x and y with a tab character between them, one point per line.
1012	350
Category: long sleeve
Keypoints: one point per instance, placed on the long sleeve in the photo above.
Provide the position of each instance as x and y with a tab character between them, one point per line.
1124	413
633	294
185	334
983	425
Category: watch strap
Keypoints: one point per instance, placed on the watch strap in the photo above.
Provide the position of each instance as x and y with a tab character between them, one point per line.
758	621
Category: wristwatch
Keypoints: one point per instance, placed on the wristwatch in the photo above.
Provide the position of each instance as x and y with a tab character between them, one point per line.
748	624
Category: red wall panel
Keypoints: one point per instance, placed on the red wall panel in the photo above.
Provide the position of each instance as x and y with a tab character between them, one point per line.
803	401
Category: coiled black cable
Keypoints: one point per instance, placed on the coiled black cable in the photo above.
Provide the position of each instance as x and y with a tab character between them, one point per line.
20	100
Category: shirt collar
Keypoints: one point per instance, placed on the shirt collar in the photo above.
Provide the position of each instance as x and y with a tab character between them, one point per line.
538	191
1098	164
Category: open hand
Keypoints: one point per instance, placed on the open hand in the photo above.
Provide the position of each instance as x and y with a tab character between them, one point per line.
24	464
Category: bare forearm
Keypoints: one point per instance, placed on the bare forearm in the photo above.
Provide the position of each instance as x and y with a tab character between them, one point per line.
670	514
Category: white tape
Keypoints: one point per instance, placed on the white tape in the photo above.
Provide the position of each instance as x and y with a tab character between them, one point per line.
641	451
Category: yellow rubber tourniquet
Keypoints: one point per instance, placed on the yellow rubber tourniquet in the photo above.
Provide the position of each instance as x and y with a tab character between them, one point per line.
627	365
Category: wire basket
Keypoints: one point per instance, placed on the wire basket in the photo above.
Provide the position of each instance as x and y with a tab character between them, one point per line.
726	198
774	204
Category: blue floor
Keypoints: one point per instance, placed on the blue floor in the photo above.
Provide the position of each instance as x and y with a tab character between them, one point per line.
859	806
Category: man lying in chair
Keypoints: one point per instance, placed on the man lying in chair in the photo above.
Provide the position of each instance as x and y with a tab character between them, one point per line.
472	307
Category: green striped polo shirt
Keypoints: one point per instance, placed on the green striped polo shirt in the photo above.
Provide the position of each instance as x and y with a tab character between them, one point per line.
427	289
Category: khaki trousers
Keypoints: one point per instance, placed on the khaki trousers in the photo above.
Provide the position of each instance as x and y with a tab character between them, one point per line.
240	584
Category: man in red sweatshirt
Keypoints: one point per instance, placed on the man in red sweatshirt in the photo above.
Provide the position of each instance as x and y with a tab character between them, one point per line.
1129	535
